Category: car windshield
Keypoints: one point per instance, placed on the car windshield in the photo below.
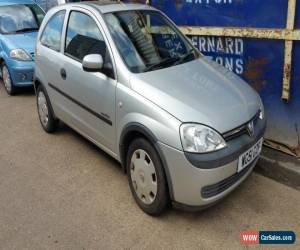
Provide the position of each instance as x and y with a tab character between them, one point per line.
147	41
20	18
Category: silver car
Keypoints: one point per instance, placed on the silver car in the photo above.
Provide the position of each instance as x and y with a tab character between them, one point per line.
186	130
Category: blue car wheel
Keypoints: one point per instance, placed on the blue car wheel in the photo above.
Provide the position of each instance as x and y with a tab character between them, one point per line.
9	87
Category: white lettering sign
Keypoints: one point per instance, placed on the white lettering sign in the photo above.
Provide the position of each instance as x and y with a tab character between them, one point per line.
209	1
227	51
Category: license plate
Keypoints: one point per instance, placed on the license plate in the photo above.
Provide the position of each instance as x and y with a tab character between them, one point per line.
248	157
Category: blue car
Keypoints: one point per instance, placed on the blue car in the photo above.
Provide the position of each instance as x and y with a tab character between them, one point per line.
19	25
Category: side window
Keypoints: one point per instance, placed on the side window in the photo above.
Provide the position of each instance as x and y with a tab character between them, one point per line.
51	36
84	38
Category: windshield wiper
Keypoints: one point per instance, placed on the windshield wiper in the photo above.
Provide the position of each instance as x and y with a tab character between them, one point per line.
162	63
26	30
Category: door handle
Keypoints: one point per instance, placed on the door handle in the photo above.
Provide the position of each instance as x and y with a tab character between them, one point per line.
63	74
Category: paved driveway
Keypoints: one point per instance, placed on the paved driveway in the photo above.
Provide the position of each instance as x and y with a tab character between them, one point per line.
61	192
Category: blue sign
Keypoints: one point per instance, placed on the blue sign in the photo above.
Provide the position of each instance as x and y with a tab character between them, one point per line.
226	13
277	237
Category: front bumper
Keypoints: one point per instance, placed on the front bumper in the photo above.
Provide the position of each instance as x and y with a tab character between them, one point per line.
21	73
196	186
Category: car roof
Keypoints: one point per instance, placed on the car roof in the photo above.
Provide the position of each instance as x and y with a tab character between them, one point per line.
106	6
12	2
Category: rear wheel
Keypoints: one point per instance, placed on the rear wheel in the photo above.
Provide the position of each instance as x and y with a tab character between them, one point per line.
146	177
46	116
8	85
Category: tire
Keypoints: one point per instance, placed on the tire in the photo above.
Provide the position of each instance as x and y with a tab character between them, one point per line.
7	81
45	112
146	178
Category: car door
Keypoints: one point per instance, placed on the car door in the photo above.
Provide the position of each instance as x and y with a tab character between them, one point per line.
88	97
49	58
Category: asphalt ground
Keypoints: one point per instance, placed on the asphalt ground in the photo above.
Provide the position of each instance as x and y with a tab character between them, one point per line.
61	192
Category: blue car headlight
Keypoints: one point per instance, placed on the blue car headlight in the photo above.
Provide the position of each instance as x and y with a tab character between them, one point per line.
20	55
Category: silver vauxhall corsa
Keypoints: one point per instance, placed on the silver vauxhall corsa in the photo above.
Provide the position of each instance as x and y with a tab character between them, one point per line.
185	129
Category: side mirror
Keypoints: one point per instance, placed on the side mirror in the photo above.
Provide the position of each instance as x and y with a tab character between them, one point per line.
92	63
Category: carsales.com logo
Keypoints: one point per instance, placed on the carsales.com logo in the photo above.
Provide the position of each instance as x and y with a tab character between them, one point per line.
267	237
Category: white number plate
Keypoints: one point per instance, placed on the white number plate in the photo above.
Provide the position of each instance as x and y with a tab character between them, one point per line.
247	158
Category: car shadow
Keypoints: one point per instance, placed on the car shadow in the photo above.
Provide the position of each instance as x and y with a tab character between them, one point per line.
23	91
26	91
65	129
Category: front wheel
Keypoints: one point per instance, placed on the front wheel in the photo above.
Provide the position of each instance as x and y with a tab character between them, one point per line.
46	116
9	87
147	178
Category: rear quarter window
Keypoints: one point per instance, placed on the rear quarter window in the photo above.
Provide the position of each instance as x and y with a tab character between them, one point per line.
52	33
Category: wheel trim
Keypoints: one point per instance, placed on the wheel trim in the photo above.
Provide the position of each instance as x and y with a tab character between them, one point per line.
143	176
43	109
6	79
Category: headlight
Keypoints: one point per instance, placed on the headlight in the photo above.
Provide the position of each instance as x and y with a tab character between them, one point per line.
261	114
196	138
19	54
261	111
